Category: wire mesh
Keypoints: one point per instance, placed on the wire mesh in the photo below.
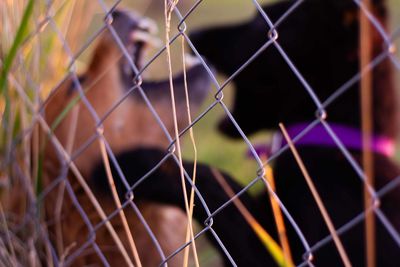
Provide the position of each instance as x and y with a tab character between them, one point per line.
70	181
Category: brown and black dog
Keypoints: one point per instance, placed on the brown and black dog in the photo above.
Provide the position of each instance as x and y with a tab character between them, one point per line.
105	83
321	38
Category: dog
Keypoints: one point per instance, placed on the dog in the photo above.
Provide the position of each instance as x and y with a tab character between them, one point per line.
325	50
69	112
163	185
321	40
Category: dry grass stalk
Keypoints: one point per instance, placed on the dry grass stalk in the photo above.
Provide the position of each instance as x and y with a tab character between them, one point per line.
117	200
169	7
81	180
317	198
366	125
61	188
192	139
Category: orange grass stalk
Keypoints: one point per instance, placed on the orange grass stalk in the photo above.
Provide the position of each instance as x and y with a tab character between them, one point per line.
266	239
366	125
317	198
280	224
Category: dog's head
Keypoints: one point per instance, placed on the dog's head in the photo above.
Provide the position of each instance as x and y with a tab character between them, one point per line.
129	31
321	40
127	120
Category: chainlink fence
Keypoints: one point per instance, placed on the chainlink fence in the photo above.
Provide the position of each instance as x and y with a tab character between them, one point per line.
34	75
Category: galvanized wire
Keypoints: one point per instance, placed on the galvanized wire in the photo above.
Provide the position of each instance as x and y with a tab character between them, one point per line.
130	202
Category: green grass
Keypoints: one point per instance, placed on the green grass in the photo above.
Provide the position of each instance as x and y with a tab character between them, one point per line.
8	120
19	37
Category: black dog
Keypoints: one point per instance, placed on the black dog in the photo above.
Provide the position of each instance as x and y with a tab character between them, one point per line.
164	185
321	39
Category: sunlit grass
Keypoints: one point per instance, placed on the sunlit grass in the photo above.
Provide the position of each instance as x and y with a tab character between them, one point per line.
32	60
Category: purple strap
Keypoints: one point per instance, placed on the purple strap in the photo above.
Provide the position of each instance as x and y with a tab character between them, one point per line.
350	137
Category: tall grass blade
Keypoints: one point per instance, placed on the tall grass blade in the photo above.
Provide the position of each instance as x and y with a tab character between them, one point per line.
19	37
